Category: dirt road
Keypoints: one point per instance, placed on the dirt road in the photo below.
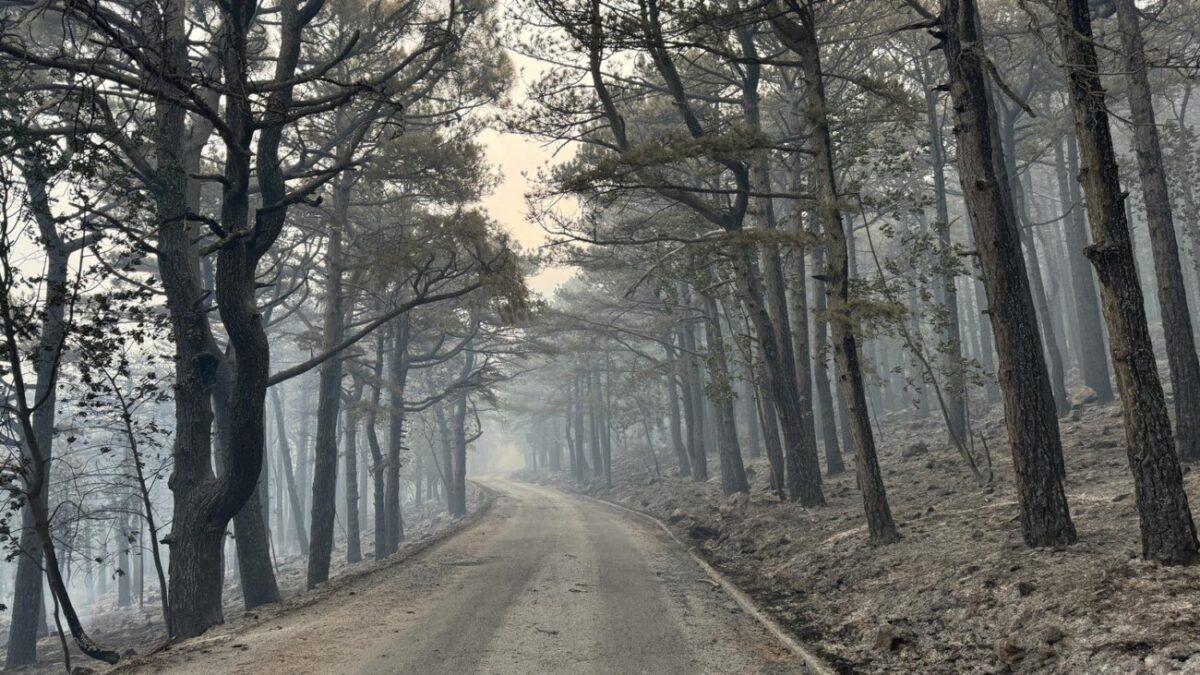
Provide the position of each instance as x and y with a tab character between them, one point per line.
545	583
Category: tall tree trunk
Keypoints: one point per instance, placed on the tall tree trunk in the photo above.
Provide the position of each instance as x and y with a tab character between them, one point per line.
1028	399
459	505
1168	533
681	453
1058	379
800	37
329	397
783	390
1182	359
829	416
378	488
252	539
27	586
397	381
289	474
733	472
952	357
605	423
353	525
581	453
1092	359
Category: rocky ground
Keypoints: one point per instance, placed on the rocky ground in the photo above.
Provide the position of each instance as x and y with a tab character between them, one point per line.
960	592
139	629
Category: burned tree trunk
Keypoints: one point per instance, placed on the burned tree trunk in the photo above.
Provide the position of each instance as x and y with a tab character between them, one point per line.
1182	359
353	520
1168	533
829	416
1028	399
329	399
393	519
681	454
1092	360
800	37
733	472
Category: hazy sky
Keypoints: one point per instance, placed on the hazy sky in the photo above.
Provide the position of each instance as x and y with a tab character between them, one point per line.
517	157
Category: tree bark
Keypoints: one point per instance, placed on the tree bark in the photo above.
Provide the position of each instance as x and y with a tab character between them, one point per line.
1182	360
398	380
1028	399
681	454
329	397
733	472
458	506
1092	359
1168	533
353	525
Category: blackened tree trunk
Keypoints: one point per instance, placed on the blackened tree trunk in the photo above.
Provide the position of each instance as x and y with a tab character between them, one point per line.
602	409
1028	399
594	421
1092	359
252	539
801	38
681	454
458	505
329	397
733	472
829	416
580	442
1182	359
376	449
353	524
1168	533
790	370
693	398
766	414
124	592
1058	380
783	391
397	381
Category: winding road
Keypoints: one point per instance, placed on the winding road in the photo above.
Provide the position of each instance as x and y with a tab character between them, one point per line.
544	583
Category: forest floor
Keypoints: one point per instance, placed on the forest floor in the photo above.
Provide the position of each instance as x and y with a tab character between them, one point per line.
960	592
140	629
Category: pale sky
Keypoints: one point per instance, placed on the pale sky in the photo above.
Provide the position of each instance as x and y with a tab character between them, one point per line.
517	157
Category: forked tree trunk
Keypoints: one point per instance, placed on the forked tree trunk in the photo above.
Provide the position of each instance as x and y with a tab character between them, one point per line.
1168	533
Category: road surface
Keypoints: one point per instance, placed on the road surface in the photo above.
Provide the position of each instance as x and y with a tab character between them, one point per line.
544	583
